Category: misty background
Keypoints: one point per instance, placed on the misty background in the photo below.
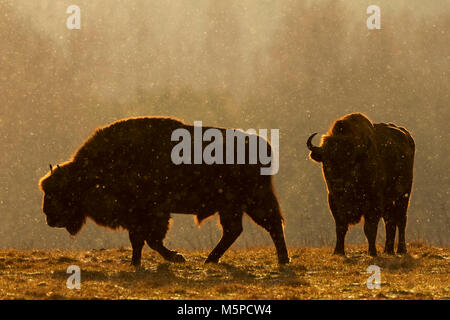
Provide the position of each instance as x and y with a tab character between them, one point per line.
290	65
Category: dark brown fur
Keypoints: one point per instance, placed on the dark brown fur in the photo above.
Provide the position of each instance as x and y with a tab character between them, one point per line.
368	169
123	176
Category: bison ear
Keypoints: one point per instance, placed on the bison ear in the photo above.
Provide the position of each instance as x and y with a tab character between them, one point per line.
316	156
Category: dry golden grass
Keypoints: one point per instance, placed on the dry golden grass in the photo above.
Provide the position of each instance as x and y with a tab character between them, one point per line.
243	274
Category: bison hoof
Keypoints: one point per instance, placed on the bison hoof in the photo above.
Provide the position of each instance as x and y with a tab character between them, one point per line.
177	258
212	260
339	253
284	260
373	253
401	251
136	262
389	252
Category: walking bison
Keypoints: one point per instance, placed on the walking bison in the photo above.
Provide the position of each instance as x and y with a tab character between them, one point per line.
368	169
123	177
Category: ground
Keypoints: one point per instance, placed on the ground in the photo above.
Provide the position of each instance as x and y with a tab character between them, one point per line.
314	273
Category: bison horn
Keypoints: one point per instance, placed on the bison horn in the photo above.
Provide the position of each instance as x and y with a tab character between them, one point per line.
310	145
316	152
51	167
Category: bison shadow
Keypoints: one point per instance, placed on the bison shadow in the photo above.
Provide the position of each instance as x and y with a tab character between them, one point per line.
404	262
163	275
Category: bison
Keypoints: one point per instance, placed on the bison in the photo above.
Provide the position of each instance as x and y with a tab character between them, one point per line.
368	169
123	177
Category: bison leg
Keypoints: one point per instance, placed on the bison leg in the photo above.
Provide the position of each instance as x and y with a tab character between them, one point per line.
341	225
341	231
401	224
137	242
156	236
267	214
277	234
275	228
401	207
370	229
390	236
167	254
231	228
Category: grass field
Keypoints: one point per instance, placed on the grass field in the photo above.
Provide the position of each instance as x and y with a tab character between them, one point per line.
314	273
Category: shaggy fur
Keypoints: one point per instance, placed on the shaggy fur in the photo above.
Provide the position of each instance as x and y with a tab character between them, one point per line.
123	176
368	169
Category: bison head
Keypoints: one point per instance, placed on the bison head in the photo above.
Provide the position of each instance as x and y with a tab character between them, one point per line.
343	160
59	204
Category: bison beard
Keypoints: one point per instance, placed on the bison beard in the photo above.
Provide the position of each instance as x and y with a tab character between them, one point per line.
368	169
123	176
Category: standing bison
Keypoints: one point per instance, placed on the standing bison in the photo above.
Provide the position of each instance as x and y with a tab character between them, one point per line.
368	169
123	176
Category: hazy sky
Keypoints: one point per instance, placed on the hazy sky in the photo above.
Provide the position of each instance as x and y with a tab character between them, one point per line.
292	65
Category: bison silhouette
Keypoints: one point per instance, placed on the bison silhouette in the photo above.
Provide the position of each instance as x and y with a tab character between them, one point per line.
123	177
368	169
